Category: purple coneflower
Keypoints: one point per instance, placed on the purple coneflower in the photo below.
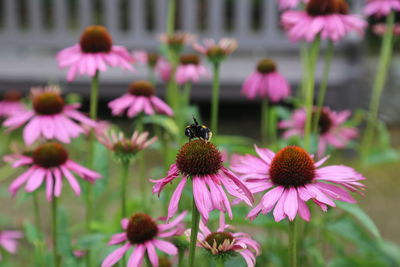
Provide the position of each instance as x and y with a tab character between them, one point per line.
216	52
330	127
329	19
201	162
49	163
144	235
381	8
222	242
11	103
190	69
290	178
266	82
287	4
49	118
94	53
140	98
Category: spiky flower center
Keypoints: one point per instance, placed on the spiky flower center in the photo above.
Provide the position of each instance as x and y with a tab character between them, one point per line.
216	52
96	39
266	65
218	238
141	228
50	155
189	59
152	59
198	158
292	167
48	103
176	40
12	96
141	88
164	262
327	7
324	123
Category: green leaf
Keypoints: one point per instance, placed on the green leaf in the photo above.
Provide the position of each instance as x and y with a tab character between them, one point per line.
91	241
361	216
163	121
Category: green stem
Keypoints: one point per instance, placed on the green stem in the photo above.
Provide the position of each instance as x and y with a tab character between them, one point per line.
264	121
193	235
379	84
171	17
304	59
272	126
172	95
36	211
54	229
309	94
215	98
94	99
220	263
124	179
152	76
181	255
292	244
324	85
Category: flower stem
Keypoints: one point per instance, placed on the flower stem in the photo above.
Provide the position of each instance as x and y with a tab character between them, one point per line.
264	121
181	255
215	98
171	17
193	235
220	263
94	99
124	178
309	93
292	244
324	85
54	228
152	76
36	210
379	84
272	129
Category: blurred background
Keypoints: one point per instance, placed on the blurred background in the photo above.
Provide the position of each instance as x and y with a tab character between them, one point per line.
33	31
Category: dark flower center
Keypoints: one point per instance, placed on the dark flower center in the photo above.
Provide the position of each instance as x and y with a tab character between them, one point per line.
12	96
96	39
141	228
50	155
198	157
176	40
152	59
189	59
216	52
48	103
164	262
292	166
327	7
266	65
219	238
324	122
141	88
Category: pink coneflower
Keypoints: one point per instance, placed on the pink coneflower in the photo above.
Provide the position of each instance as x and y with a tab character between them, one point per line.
330	125
380	29
178	40
140	98
291	178
125	147
190	69
266	82
329	19
11	103
287	4
381	8
202	163
223	242
154	61
94	53
216	52
49	163
143	233
9	241
49	117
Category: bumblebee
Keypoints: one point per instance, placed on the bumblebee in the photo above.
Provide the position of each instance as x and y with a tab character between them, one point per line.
196	130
